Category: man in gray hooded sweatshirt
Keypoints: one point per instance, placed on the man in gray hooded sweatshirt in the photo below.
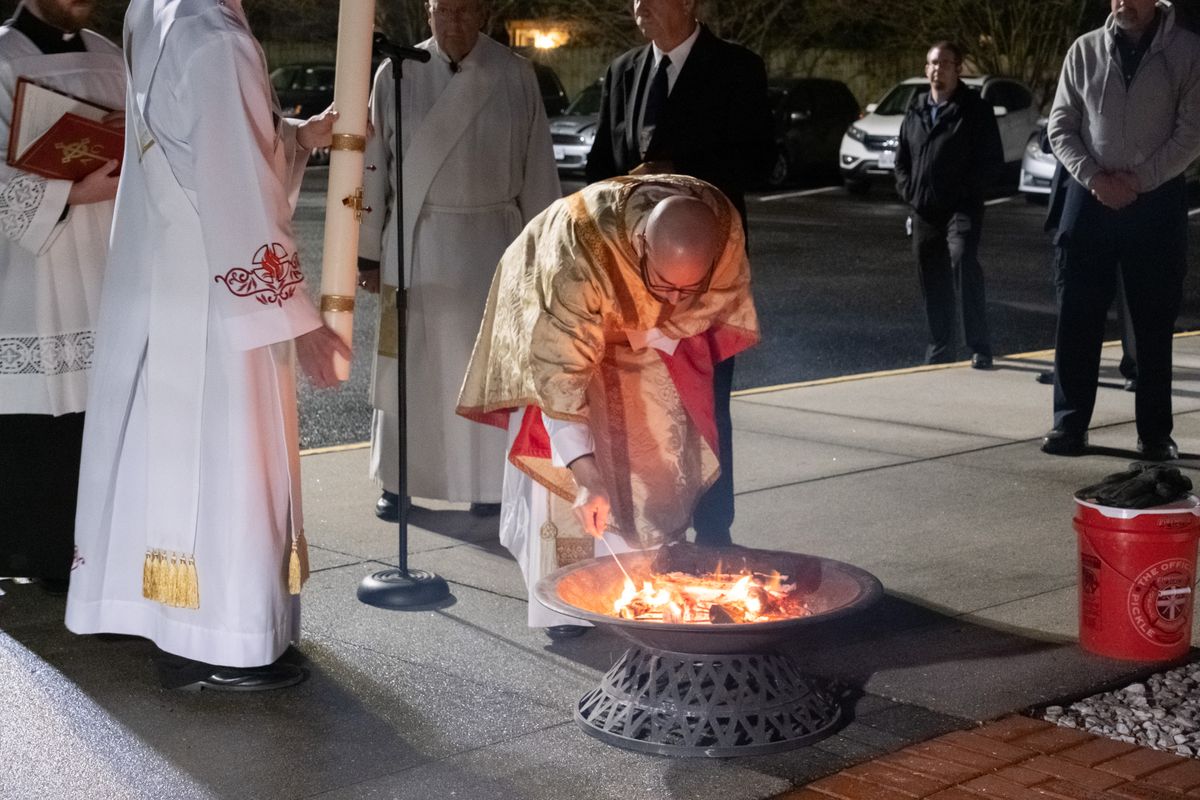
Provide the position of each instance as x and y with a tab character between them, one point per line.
1125	124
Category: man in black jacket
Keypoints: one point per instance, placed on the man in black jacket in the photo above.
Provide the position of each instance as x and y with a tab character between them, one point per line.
949	152
693	104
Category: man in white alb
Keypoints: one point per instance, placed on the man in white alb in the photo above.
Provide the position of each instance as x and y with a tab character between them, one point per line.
189	529
478	165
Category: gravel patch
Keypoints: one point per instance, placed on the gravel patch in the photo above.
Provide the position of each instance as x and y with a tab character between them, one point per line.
1162	713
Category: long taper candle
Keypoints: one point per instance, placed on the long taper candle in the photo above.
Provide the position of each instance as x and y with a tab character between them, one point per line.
343	203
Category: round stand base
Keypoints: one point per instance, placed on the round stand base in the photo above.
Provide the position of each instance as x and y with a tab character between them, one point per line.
396	589
680	704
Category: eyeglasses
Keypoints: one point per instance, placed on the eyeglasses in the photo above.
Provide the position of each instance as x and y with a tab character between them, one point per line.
462	14
657	285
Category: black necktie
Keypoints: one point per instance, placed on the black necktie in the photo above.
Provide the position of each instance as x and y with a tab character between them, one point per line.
656	101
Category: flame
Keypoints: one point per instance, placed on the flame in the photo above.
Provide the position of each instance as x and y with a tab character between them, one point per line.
677	597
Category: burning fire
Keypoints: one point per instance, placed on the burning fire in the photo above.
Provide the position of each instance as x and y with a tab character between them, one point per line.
714	597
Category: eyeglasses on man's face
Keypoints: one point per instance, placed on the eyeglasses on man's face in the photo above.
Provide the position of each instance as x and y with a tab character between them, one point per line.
663	290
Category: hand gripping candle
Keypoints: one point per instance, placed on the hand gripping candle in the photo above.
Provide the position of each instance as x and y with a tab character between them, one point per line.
343	203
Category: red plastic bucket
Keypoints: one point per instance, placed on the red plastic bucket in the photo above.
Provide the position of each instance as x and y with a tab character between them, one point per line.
1137	578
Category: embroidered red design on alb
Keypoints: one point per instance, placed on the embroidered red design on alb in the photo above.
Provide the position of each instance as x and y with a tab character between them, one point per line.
273	278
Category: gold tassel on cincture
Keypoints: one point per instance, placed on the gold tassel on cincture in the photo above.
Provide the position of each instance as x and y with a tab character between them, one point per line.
171	579
298	564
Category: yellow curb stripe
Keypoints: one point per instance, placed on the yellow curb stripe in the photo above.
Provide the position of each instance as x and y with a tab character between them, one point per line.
910	370
337	448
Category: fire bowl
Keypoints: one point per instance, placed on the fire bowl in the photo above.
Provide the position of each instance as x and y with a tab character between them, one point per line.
588	589
705	689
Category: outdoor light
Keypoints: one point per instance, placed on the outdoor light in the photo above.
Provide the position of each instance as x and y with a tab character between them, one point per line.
548	40
539	34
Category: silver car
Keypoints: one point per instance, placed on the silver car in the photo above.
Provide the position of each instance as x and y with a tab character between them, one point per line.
1037	166
573	133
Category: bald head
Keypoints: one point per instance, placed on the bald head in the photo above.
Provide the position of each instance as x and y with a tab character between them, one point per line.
682	243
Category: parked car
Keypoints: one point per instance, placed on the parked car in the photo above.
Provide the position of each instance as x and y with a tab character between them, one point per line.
811	114
303	89
1037	166
573	133
868	150
554	96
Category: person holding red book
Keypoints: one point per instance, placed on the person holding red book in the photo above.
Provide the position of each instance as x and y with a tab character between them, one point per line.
53	250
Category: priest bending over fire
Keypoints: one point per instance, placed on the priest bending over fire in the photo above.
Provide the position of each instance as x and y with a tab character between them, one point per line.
596	351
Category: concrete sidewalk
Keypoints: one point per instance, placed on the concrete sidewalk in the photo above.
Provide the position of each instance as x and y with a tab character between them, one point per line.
930	479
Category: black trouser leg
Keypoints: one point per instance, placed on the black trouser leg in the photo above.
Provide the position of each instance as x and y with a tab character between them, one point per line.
1152	242
714	513
1128	366
1085	277
937	287
962	241
39	479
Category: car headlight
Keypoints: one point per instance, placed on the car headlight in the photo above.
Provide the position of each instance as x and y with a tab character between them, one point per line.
1034	149
856	133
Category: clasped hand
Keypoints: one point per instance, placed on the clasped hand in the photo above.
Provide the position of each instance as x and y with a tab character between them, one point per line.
1115	189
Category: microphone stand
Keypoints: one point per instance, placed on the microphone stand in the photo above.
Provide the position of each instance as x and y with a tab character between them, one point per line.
401	589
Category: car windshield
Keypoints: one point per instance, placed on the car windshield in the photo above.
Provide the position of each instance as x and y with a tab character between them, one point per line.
587	103
896	101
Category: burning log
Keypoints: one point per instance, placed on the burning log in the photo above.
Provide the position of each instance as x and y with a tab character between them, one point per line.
717	615
727	586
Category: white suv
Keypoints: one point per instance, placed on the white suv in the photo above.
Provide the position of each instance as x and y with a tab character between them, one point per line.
869	145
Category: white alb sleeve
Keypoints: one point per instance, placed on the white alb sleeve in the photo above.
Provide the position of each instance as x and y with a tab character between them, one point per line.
568	440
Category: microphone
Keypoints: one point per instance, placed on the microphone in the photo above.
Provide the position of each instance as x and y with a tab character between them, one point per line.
398	52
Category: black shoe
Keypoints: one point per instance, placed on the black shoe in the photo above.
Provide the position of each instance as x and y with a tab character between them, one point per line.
981	361
387	508
557	632
1045	377
1131	384
1064	443
711	539
247	679
1163	449
485	509
55	587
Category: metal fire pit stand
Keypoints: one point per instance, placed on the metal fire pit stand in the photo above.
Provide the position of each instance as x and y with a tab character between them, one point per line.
401	588
696	689
682	704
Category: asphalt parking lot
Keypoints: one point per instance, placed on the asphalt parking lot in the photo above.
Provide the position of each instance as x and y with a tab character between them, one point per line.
835	285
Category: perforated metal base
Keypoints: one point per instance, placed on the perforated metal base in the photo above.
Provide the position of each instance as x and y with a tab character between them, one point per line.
706	705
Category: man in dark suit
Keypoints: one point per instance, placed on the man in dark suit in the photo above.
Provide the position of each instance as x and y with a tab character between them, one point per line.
693	104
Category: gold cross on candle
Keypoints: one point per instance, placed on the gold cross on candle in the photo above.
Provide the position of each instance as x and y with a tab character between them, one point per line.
355	201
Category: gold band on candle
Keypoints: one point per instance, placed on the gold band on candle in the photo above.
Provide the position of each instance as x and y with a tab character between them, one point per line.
349	141
336	302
